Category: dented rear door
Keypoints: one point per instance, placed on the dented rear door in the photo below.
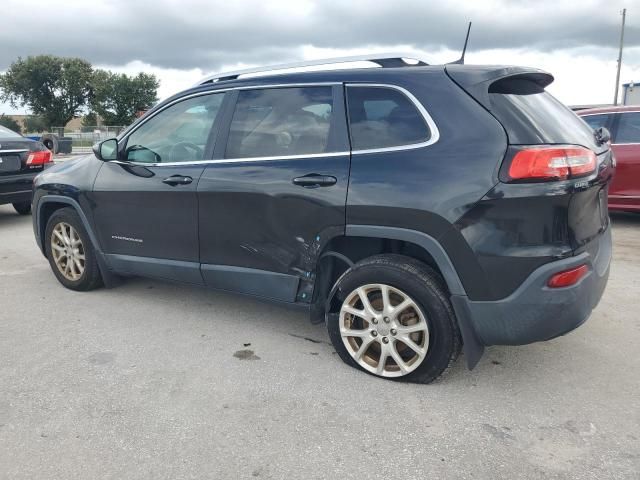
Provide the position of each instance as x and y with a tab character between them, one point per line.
277	191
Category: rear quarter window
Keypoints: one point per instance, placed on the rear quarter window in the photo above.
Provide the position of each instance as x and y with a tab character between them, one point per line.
531	115
383	117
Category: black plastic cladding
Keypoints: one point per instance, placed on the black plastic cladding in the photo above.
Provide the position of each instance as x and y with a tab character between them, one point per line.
251	216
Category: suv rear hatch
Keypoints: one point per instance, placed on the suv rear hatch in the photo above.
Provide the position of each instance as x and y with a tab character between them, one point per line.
534	121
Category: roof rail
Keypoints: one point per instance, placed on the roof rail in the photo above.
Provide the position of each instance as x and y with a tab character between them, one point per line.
382	59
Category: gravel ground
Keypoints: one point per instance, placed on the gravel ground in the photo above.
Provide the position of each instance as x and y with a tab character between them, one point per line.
153	380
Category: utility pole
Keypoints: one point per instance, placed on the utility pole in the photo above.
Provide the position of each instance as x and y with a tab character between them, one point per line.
615	98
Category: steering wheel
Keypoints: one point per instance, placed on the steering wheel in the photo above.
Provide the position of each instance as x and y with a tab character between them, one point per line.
182	151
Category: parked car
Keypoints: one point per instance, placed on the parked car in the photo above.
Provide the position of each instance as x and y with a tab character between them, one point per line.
417	209
21	159
624	125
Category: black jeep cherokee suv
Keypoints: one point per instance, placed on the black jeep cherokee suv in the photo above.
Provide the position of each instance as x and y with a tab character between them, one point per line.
419	210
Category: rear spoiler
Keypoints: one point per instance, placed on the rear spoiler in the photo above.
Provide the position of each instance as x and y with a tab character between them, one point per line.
476	80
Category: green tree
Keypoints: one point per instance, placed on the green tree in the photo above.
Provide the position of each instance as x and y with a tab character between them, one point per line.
10	123
55	88
117	97
35	123
90	120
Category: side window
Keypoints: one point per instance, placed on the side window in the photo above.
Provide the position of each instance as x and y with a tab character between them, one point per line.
628	128
178	133
596	121
280	121
382	117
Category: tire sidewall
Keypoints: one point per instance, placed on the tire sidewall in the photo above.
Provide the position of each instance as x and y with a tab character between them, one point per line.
87	279
433	305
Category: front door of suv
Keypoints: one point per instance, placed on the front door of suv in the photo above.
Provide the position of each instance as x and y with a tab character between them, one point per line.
145	205
276	192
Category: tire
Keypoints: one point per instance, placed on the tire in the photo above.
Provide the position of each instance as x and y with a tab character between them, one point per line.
50	140
429	316
67	224
23	208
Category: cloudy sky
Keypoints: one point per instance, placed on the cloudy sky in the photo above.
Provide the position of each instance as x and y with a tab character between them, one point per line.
183	40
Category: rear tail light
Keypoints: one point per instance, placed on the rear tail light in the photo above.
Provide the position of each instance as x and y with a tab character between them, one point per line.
39	158
551	163
567	278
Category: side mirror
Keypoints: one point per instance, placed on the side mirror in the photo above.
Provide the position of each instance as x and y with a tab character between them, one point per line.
107	150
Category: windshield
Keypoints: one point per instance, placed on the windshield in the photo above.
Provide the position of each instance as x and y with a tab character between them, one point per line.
5	132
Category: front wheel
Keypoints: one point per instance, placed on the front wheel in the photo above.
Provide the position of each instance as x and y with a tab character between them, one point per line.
70	252
23	208
393	319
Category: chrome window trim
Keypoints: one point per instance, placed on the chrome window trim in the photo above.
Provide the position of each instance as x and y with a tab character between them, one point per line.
435	133
231	160
433	129
609	113
594	114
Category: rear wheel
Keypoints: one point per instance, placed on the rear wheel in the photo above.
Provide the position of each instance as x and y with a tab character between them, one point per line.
70	252
394	320
23	208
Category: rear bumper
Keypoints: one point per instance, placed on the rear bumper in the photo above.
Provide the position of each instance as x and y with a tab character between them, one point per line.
16	197
17	188
535	312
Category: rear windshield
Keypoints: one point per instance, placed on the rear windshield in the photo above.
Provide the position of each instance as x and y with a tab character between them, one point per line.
6	133
533	116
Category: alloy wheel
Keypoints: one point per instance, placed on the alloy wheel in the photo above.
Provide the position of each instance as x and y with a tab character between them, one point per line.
68	251
384	330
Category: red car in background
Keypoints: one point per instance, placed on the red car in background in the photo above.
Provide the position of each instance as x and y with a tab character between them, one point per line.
624	125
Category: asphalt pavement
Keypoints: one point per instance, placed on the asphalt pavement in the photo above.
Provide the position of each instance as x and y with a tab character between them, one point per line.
152	380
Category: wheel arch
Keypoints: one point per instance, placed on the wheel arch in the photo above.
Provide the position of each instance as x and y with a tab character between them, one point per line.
370	240
433	254
48	204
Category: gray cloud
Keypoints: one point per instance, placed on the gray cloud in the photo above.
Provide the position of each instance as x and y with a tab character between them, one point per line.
208	34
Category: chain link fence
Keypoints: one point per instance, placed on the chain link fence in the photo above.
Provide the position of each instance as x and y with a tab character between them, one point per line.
84	138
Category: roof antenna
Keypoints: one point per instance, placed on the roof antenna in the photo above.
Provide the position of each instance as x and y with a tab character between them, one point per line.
460	61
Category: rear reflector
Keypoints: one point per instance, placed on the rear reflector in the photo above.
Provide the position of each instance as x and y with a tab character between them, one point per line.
568	277
552	163
39	158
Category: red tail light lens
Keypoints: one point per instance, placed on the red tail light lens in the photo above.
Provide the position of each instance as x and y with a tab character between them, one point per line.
39	158
552	163
568	277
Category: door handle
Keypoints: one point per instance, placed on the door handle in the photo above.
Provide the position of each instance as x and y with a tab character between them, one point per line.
174	180
314	180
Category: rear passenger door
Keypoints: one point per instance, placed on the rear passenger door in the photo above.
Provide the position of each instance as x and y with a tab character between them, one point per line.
392	171
625	188
276	190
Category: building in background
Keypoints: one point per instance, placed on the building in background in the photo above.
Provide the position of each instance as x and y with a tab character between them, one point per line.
630	94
